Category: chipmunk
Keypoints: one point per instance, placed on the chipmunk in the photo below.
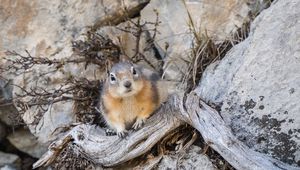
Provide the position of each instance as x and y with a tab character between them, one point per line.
129	96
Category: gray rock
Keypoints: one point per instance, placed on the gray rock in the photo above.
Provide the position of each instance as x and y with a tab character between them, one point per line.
5	90
24	141
8	167
7	110
128	42
217	19
193	159
46	29
9	161
257	84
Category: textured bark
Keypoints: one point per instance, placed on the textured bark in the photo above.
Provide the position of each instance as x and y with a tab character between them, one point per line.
110	150
92	141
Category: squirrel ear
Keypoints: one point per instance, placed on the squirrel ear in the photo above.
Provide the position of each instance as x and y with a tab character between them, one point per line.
124	58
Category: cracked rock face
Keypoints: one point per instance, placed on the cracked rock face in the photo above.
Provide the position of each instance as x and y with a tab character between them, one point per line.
217	19
257	84
47	29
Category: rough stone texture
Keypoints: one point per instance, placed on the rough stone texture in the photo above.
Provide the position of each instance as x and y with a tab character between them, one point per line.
193	159
24	141
217	19
9	161
128	42
7	109
257	84
46	29
8	167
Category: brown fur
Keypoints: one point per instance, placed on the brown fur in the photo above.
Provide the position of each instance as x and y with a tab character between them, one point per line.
122	112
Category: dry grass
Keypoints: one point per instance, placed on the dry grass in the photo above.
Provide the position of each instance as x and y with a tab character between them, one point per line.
176	142
205	51
70	159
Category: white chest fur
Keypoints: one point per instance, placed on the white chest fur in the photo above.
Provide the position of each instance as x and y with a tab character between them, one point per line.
130	109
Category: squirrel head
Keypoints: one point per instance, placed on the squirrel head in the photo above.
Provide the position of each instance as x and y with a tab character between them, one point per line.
124	80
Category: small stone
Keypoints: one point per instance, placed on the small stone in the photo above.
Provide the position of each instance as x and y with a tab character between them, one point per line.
26	142
8	160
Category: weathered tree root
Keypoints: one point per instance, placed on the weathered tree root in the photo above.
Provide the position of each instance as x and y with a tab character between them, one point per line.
110	150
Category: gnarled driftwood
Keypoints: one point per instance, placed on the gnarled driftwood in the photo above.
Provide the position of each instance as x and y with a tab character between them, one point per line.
110	150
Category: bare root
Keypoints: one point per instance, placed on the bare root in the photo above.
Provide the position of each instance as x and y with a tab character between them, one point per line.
111	150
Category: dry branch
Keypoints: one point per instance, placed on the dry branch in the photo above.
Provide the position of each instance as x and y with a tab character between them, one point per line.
105	150
110	150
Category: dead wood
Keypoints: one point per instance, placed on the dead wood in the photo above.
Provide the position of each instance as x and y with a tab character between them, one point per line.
92	141
105	150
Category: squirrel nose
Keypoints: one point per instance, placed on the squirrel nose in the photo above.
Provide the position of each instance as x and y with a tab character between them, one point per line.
127	84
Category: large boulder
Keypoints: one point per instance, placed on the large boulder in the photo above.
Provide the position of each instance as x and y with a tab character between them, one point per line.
257	84
47	29
216	19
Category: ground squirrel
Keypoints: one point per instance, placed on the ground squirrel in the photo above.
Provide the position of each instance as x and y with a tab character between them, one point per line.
130	95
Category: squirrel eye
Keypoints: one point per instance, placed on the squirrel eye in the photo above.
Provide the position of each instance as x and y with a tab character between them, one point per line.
112	78
133	71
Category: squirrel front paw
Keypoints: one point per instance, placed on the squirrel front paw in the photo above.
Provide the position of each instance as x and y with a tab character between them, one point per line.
110	132
122	134
138	123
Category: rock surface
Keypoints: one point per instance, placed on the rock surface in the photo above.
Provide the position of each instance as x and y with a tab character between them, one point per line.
193	159
217	19
126	39
9	161
24	141
7	109
257	84
46	29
